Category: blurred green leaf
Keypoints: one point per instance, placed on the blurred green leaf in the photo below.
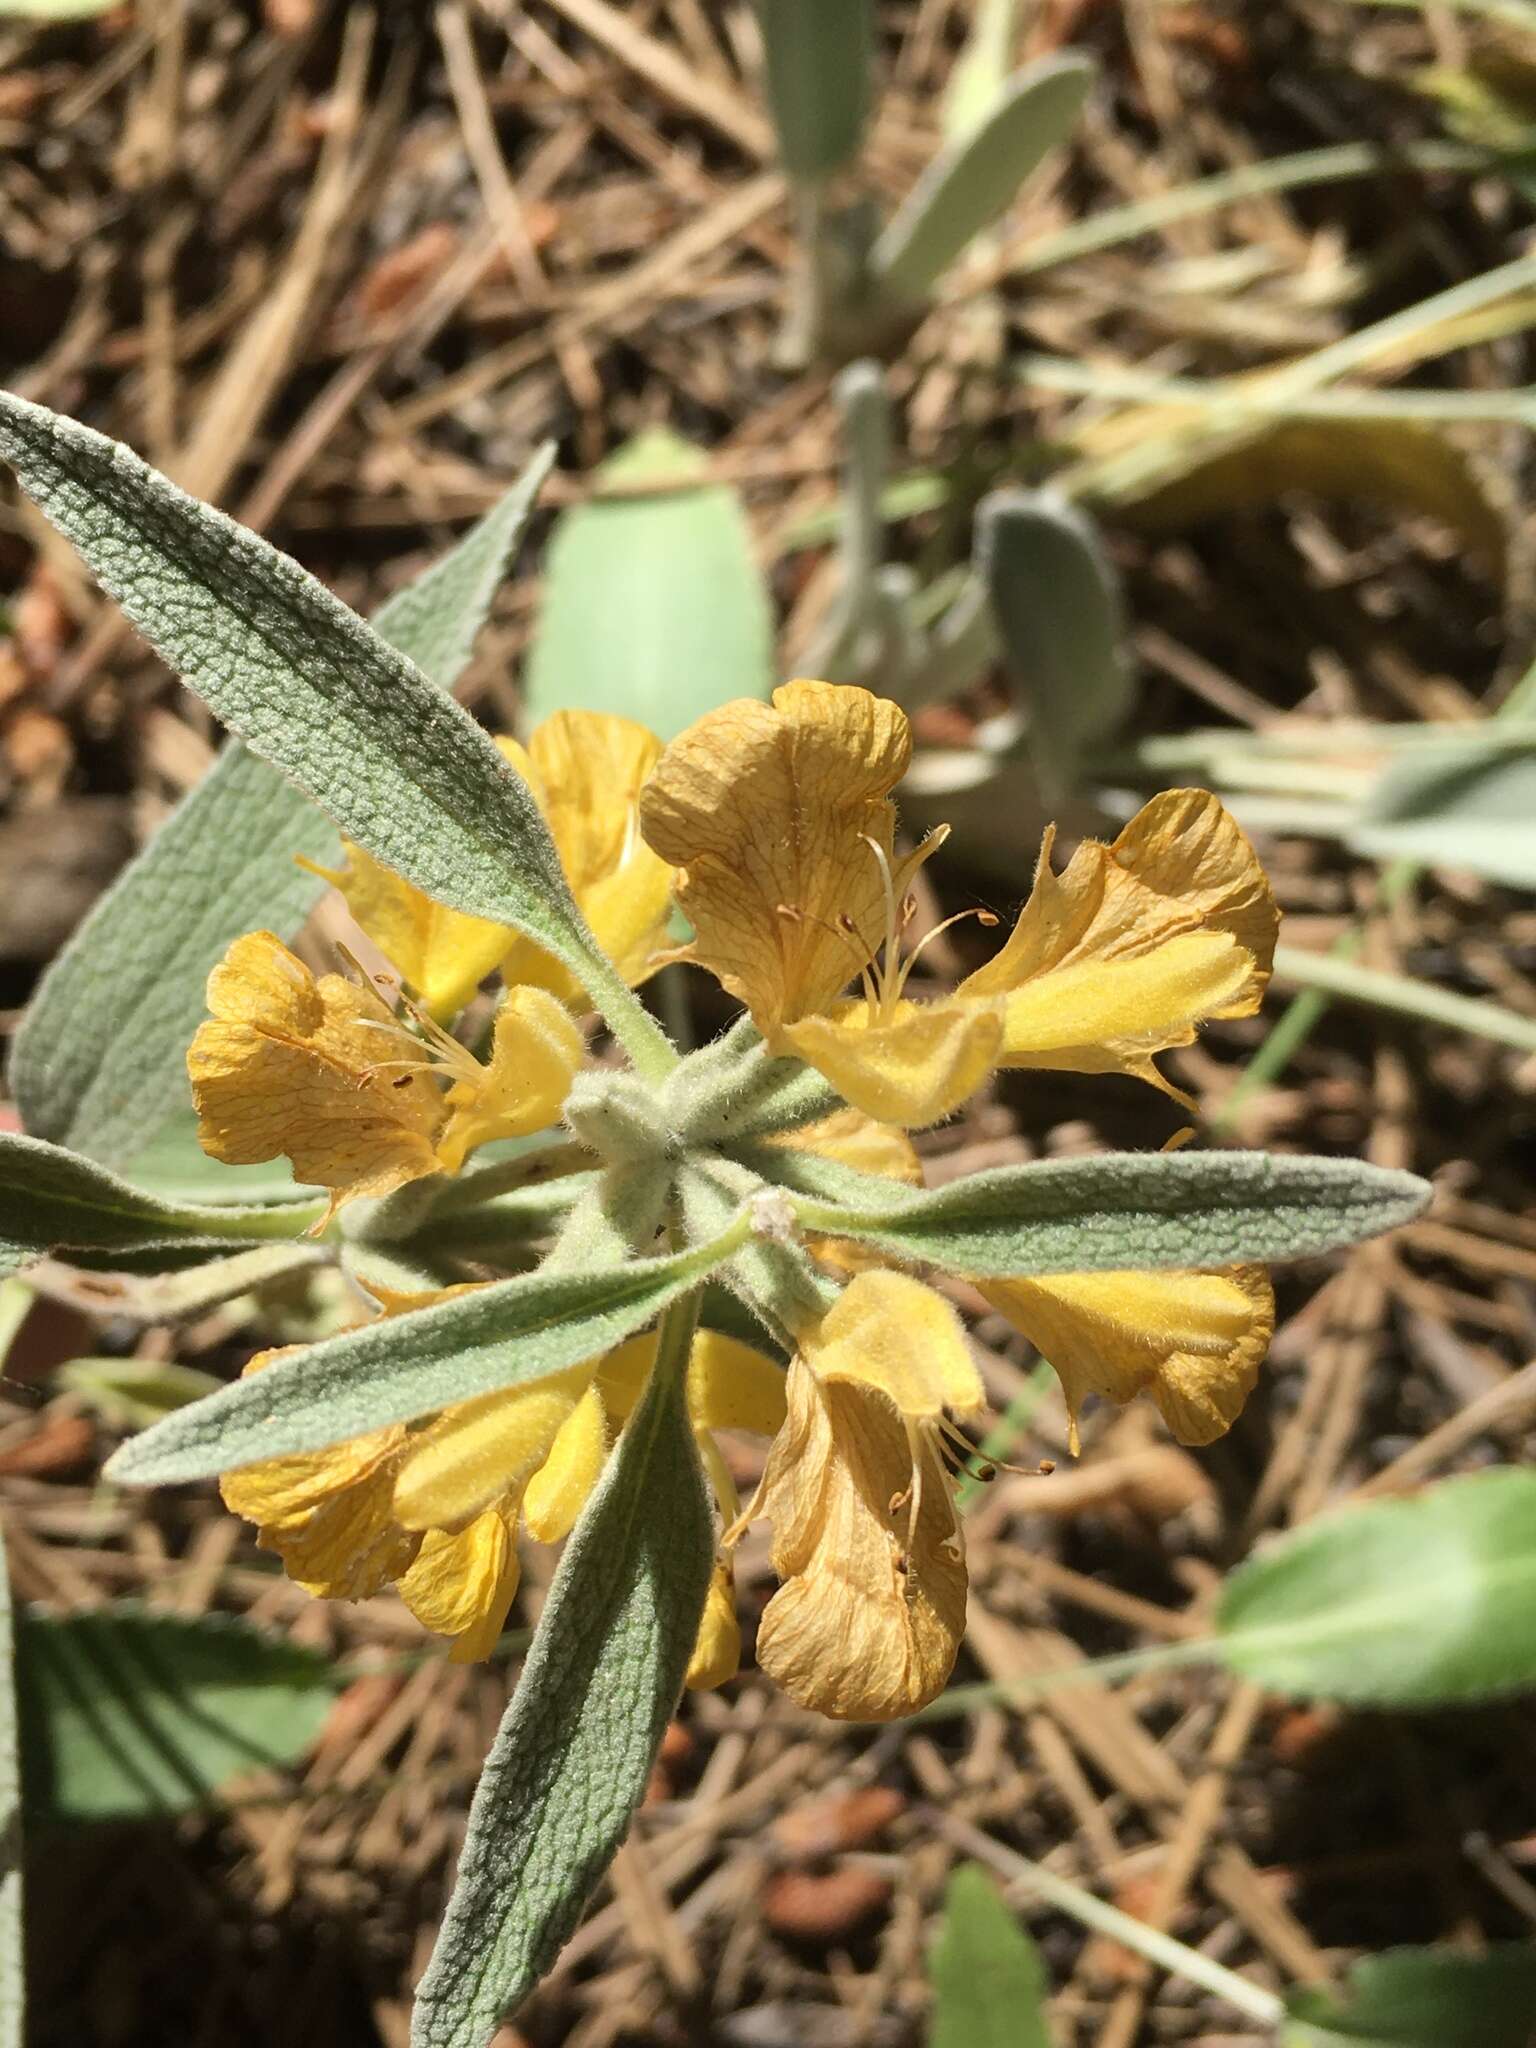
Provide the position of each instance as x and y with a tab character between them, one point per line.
654	606
982	68
972	183
1460	806
988	1981
1056	606
1422	1998
52	10
127	1714
131	1393
820	58
1423	1602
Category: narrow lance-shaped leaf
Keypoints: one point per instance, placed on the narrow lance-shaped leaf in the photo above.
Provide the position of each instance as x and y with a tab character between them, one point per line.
970	184
503	1335
1120	1211
400	767
820	59
573	1756
989	1984
1400	1603
52	1200
1457	806
99	1061
1056	607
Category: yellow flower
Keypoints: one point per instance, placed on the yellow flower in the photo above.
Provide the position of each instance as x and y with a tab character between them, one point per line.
865	1537
1194	1341
586	770
323	1071
779	821
436	1507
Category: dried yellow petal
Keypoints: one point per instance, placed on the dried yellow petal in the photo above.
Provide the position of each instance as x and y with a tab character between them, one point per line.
311	1069
868	1620
1194	1341
889	1332
767	811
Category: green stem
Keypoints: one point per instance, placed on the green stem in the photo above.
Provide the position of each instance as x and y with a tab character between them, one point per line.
1017	1692
651	1053
1158	1948
1339	975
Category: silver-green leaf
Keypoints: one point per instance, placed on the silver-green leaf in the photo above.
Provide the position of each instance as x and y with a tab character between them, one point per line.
1055	604
504	1335
52	1200
1120	1211
820	60
972	183
573	1756
399	766
989	1984
1470	803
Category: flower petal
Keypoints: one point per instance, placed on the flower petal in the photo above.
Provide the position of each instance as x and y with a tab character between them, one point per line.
1194	1341
862	1628
444	954
730	1386
913	1070
587	769
889	1332
535	1051
717	1648
561	1487
291	1065
1134	945
462	1585
765	810
482	1452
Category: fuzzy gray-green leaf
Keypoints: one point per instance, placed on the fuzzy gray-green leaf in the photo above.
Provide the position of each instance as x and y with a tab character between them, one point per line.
399	1367
970	184
52	1200
820	59
1056	607
573	1756
1119	1211
399	766
99	1061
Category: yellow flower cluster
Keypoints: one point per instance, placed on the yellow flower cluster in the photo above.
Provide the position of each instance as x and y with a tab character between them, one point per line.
772	827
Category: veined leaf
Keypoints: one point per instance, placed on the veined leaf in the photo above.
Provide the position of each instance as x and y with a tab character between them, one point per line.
988	1981
1056	606
52	1200
972	183
1117	1212
1399	1603
820	57
573	1756
100	1060
503	1335
1422	1998
399	766
653	606
12	1959
127	1713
